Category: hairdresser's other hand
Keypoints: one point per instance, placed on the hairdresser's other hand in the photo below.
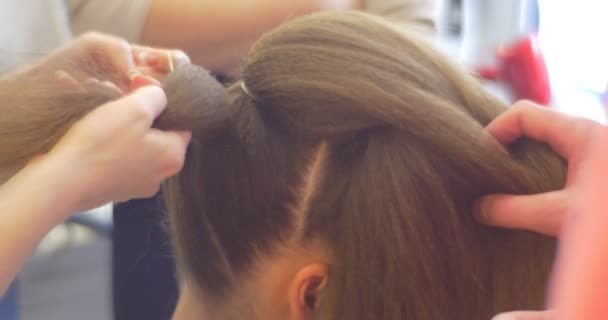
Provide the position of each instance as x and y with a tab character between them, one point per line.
568	136
580	278
113	154
108	58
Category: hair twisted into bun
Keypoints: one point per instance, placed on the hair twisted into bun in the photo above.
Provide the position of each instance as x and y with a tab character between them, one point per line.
395	134
195	101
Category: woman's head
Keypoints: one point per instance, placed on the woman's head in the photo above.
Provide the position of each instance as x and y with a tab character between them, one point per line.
338	182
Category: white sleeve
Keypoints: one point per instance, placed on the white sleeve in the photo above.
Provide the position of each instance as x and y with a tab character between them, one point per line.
419	13
31	29
123	18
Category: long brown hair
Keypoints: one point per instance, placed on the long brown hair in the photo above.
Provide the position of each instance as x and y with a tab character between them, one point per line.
395	132
405	155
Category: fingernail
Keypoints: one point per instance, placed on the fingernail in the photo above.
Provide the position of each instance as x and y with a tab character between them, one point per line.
181	58
150	93
153	98
142	81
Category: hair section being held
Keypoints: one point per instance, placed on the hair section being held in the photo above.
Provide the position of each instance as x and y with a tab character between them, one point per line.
38	108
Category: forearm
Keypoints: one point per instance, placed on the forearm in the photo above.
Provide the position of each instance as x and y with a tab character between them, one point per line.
217	34
31	204
109	154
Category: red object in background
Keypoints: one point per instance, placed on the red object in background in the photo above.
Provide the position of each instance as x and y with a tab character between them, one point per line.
522	66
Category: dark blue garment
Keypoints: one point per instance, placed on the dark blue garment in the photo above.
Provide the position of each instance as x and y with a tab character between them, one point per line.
144	279
9	304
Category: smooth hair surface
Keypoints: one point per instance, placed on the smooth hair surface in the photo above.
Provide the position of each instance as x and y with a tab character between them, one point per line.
405	154
355	134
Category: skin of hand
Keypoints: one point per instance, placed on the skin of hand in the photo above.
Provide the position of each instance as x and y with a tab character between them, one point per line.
106	58
123	123
580	281
112	154
570	137
577	213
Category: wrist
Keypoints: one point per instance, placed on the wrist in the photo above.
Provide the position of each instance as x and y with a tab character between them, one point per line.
50	185
70	181
32	202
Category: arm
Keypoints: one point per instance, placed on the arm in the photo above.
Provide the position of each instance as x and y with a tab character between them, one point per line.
111	155
31	204
217	34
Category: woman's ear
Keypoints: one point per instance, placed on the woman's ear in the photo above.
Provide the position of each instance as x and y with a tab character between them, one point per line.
305	290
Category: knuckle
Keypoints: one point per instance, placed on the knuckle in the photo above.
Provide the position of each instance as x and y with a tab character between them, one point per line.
524	105
585	128
96	38
121	45
93	41
97	43
91	37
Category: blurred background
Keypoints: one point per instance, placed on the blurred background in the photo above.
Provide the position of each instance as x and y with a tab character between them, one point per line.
549	51
70	275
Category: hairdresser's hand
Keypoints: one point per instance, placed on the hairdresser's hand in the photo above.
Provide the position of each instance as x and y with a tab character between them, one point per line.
113	155
570	137
580	278
577	213
108	58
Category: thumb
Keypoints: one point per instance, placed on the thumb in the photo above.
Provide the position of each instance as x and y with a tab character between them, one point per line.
526	315
543	213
